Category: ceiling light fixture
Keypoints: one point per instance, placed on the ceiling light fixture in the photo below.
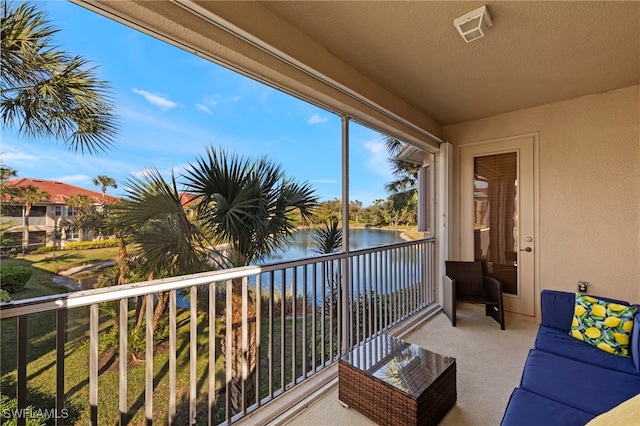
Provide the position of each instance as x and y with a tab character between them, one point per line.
474	24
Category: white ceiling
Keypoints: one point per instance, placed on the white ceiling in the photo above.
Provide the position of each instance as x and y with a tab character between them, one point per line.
535	53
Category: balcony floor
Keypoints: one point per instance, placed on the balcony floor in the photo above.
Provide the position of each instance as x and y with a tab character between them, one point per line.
489	366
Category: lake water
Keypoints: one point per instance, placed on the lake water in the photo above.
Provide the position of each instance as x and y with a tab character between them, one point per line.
302	245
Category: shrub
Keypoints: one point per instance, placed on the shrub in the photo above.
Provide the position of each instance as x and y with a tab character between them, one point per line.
4	296
9	405
83	245
44	249
14	278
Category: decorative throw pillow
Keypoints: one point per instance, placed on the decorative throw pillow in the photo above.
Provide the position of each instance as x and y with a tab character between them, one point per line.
605	325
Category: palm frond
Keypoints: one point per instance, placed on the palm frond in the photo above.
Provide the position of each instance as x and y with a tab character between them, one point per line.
328	239
48	93
247	203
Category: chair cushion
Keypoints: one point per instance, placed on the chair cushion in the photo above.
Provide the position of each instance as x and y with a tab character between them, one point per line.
603	324
561	343
583	386
526	408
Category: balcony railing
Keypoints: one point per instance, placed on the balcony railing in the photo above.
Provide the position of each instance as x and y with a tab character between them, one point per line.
20	221
254	333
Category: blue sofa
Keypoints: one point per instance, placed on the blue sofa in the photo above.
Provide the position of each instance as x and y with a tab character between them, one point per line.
566	381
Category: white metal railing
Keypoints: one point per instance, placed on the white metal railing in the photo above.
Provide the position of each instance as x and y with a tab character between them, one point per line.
281	323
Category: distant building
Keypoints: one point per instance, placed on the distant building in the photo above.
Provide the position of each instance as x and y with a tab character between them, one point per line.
49	219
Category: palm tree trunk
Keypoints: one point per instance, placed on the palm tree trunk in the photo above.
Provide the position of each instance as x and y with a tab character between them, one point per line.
141	302
161	309
235	386
25	241
122	262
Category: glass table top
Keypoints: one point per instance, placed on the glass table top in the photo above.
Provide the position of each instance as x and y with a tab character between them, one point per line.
406	366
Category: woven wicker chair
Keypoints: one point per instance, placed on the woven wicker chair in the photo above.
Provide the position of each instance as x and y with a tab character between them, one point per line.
465	282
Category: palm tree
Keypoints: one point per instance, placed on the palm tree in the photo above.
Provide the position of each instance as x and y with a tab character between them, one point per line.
404	189
248	204
251	207
7	192
103	222
80	202
30	195
167	242
46	92
7	173
327	240
106	182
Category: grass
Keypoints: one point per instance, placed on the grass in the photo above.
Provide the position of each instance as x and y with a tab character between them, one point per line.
55	262
41	370
412	233
41	363
41	373
40	283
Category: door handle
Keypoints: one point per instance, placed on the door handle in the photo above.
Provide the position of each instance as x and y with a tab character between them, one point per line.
526	249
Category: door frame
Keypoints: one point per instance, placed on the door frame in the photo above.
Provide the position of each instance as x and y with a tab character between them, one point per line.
458	234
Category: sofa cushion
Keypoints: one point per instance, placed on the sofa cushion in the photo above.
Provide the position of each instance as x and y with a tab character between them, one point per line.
603	324
635	340
557	309
530	409
583	386
560	343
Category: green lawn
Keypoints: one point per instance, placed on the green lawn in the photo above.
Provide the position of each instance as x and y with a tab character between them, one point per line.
41	369
41	366
62	260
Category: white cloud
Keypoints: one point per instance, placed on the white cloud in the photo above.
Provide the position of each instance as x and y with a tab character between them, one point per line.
157	100
73	179
324	181
315	119
236	98
378	159
18	156
204	108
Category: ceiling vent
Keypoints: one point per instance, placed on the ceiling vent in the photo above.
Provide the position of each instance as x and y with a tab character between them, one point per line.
473	25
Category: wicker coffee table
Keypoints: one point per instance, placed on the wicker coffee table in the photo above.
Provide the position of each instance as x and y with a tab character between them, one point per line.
397	383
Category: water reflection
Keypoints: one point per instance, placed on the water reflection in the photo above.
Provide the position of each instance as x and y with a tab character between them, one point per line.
302	244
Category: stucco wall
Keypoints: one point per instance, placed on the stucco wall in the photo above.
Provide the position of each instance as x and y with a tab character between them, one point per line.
589	192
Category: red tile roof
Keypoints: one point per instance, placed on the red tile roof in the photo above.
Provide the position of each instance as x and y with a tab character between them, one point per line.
59	192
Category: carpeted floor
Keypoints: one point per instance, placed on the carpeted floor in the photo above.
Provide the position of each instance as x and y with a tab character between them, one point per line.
489	365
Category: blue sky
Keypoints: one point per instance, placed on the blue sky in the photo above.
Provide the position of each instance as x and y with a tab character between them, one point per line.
172	105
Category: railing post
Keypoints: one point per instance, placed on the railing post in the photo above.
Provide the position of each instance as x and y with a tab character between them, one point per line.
212	352
172	355
93	362
193	351
344	278
123	356
22	367
61	328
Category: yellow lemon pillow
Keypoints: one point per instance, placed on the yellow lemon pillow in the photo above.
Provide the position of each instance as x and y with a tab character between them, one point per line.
605	325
